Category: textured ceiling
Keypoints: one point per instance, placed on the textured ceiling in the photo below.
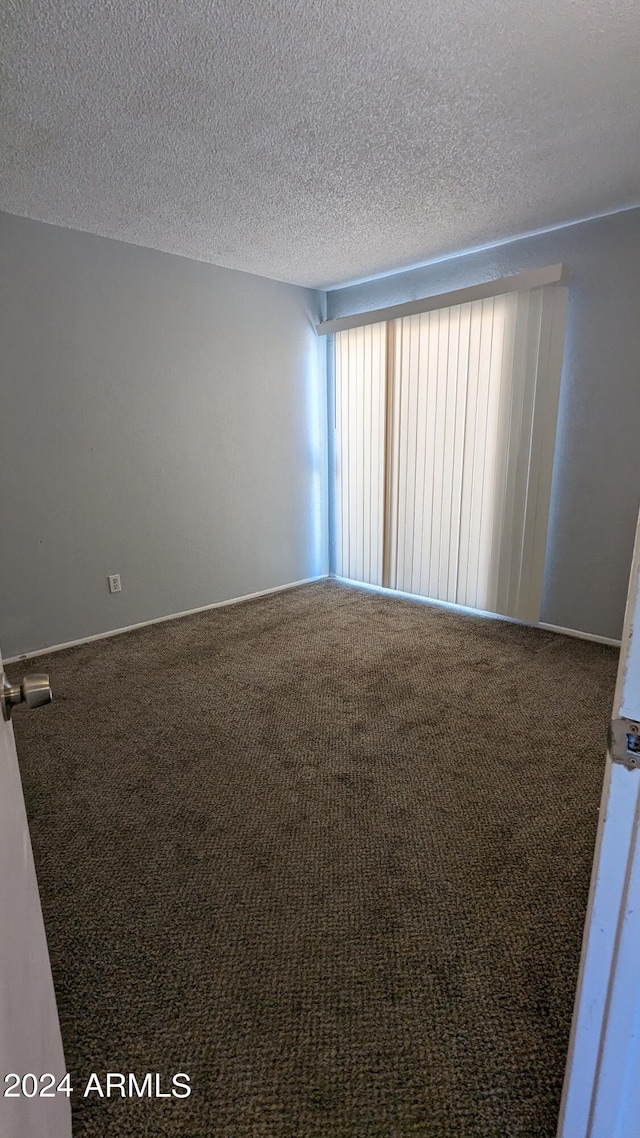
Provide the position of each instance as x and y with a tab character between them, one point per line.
318	142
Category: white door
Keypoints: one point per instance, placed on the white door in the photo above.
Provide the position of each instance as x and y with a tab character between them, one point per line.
30	1042
601	1096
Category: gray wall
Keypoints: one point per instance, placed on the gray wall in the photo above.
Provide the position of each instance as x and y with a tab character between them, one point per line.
596	481
161	418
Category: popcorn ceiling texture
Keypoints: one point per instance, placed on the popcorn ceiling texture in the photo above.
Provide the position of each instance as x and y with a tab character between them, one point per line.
318	143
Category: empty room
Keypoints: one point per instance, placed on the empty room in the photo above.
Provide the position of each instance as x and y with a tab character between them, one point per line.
320	748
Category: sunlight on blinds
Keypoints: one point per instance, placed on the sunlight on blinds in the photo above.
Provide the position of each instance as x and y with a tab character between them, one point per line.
448	391
445	437
360	456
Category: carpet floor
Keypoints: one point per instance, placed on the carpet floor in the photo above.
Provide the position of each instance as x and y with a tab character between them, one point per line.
328	853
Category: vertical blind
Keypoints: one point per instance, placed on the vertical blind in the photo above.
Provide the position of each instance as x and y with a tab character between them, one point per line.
445	433
361	371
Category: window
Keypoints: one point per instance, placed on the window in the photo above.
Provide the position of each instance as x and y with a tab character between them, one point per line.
445	434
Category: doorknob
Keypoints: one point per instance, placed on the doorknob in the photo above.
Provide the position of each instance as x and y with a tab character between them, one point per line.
34	691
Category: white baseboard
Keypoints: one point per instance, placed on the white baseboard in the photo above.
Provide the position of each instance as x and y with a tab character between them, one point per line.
580	635
160	620
464	610
292	585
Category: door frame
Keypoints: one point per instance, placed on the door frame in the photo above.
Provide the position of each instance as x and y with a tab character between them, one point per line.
601	1095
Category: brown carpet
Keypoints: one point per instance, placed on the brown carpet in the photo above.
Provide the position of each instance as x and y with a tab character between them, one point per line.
328	852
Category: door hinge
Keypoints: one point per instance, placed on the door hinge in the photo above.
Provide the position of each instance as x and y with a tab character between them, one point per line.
624	742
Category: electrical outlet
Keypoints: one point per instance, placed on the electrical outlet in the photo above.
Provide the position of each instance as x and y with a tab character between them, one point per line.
114	583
